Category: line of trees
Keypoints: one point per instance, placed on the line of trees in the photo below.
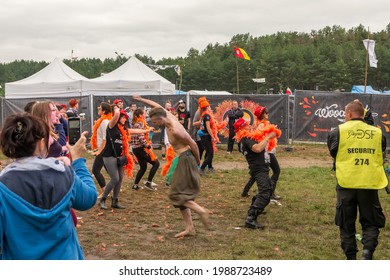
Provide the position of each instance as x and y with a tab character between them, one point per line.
329	59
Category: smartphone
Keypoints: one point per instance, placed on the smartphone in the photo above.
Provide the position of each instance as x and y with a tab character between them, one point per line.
74	130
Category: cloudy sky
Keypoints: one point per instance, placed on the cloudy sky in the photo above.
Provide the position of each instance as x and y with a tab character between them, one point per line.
46	29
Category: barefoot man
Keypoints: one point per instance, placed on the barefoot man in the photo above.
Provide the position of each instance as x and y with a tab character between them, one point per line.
185	183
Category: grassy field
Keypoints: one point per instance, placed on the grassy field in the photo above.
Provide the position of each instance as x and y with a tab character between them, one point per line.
302	228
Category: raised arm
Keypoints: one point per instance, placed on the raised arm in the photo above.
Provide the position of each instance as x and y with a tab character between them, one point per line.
149	102
115	118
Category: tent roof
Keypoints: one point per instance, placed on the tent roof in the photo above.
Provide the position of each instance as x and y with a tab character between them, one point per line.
132	70
55	72
360	89
133	75
55	78
200	92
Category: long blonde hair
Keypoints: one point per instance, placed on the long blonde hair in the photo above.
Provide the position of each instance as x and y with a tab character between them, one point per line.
42	110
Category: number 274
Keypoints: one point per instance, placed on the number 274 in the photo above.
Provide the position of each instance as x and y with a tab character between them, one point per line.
362	161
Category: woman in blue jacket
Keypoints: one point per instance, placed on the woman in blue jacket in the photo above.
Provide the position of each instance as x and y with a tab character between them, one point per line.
37	193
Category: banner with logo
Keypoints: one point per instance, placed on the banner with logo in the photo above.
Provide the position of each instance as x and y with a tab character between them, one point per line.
316	113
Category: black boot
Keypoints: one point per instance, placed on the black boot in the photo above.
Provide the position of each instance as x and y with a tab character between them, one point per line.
102	203
251	220
115	204
366	255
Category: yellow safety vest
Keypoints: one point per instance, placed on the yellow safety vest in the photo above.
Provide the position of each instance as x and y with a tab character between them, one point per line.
359	160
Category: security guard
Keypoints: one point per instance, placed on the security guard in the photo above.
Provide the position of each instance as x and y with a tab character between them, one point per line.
357	149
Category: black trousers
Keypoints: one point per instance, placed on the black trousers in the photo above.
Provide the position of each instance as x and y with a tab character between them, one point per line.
231	141
97	166
143	160
371	218
274	178
208	147
262	198
200	148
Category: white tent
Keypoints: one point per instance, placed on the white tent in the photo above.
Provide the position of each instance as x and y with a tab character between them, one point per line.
55	80
206	92
132	76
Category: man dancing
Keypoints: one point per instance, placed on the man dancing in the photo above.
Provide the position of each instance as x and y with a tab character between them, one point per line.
185	184
253	147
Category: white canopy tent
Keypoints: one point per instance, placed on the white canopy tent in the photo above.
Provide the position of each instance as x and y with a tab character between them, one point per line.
206	92
134	77
55	80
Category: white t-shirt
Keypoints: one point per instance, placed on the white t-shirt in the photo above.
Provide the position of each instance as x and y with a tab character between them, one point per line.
101	132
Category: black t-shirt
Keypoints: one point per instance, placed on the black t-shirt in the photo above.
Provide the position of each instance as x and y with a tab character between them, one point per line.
205	118
183	117
256	161
116	137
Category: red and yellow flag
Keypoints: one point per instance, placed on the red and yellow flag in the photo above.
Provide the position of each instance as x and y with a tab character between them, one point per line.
240	53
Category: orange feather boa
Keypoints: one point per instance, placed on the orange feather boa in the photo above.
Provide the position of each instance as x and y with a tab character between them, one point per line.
125	151
95	129
170	155
149	151
215	127
258	135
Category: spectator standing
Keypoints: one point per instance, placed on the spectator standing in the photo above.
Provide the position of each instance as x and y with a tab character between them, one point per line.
48	112
130	113
183	115
207	136
73	108
233	114
37	193
119	103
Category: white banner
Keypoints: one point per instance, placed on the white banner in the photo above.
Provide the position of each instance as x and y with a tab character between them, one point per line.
370	47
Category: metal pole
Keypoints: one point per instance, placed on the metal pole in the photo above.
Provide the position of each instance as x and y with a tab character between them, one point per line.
238	83
366	71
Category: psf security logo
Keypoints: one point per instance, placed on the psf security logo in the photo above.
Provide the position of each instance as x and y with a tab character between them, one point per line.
361	134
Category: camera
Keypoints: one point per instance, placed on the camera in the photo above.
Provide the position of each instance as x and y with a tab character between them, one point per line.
74	130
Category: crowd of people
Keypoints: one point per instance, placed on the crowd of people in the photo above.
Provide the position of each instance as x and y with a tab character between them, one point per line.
37	142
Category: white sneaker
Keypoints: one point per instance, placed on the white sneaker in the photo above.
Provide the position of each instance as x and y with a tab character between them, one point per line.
152	184
148	186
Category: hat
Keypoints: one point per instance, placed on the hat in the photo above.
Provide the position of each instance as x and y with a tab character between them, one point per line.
123	112
240	123
201	99
63	106
204	104
73	102
182	101
116	101
259	111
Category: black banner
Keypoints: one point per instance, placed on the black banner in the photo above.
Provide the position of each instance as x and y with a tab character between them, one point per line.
316	113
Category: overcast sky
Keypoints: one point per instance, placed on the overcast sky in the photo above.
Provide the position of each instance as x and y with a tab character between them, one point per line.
46	29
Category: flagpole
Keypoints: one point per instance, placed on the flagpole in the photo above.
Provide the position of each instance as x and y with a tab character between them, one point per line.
238	83
181	77
366	71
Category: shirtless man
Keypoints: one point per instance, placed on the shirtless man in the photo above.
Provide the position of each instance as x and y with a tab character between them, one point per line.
185	184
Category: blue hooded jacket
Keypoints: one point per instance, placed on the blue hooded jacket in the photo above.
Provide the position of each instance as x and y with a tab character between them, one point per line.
35	199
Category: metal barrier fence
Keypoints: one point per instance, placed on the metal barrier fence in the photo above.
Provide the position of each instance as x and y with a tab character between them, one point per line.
305	116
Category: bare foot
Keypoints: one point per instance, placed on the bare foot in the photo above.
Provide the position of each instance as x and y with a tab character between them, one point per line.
204	216
185	232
